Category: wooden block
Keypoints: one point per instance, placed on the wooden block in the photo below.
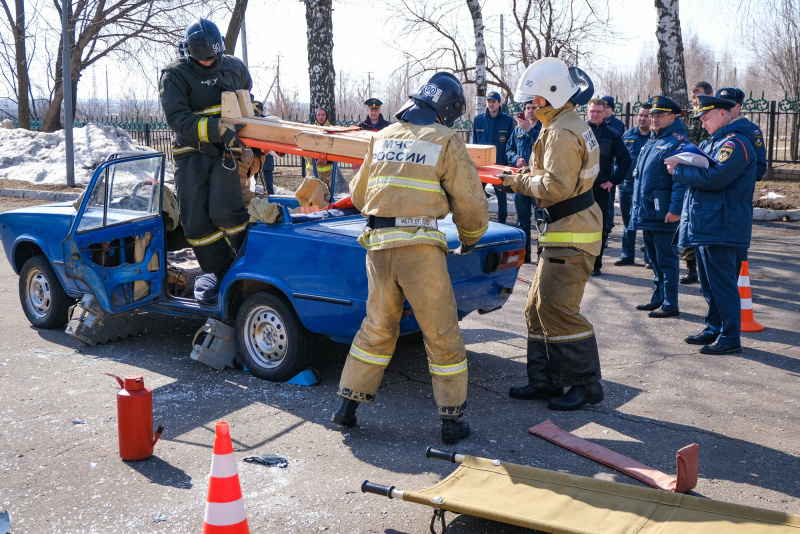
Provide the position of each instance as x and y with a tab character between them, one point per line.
245	103
230	106
482	154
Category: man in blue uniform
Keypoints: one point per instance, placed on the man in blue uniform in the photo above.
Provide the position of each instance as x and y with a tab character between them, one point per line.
634	140
614	164
212	209
494	128
717	218
757	139
657	204
518	154
374	121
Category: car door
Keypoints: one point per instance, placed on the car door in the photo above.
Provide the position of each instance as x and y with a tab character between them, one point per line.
116	242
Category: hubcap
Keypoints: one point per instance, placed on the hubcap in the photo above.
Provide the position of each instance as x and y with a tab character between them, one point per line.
39	296
267	339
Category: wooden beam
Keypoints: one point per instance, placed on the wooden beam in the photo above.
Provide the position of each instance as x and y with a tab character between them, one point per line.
230	106
332	140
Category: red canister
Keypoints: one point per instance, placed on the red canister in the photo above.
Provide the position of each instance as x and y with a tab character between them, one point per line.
135	418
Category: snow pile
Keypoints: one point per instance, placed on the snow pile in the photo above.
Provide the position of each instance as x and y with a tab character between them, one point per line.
41	157
772	196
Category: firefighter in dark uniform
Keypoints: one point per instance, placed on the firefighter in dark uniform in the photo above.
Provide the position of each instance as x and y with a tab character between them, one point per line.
717	218
212	210
562	347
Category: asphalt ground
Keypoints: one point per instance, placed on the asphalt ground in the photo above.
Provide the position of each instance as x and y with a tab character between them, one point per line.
60	470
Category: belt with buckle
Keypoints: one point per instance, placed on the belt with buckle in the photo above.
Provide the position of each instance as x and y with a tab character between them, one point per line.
375	223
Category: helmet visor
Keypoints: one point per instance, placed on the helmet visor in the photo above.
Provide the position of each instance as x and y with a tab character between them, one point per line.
199	47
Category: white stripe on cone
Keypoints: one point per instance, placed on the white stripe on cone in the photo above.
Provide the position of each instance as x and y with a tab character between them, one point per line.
222	514
744	281
223	465
747	304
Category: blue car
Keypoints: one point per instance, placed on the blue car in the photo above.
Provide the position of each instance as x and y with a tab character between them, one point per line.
302	275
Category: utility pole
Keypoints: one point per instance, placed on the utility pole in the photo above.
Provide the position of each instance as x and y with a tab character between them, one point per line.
369	84
502	52
108	107
243	35
716	80
66	84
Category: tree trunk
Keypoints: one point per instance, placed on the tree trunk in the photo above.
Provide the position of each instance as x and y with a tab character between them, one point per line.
480	56
670	52
321	75
234	26
23	82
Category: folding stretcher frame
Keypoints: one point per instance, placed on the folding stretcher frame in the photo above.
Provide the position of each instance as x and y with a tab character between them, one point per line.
569	504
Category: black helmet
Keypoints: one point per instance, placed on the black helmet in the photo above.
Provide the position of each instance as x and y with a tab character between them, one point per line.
441	96
203	41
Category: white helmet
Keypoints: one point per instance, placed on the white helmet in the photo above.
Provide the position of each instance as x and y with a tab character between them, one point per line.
549	78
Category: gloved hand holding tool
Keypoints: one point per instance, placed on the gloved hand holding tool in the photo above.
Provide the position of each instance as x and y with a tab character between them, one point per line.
233	145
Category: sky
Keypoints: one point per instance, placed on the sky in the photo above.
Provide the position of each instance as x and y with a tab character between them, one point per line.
362	40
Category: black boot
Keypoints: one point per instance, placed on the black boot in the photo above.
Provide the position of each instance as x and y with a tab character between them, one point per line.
690	276
345	414
454	431
531	392
577	396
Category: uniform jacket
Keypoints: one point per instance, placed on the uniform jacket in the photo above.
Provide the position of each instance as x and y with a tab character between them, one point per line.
654	191
564	163
614	158
488	130
759	147
615	124
520	143
719	202
694	129
366	124
191	98
634	141
419	171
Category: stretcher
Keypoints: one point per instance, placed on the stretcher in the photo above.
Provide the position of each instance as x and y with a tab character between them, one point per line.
562	503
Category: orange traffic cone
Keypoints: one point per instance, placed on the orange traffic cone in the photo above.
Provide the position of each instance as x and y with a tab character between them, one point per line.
749	324
225	512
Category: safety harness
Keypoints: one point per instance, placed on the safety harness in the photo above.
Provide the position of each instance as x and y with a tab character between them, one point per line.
559	210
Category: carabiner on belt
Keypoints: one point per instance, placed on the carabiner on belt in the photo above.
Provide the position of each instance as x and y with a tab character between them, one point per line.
542	217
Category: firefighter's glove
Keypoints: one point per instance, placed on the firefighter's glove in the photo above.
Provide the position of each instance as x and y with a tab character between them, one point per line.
464	249
509	181
228	134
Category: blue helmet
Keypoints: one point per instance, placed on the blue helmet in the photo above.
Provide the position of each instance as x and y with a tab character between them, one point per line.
203	41
442	97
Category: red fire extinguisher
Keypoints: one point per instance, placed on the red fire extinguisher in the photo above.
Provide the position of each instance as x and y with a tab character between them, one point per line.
135	418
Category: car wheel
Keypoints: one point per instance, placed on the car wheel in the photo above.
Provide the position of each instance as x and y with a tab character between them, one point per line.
43	299
274	344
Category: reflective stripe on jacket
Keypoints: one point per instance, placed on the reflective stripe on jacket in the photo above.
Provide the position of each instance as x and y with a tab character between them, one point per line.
564	164
419	171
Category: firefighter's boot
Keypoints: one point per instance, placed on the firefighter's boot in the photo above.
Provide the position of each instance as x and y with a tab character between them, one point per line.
345	414
690	276
454	431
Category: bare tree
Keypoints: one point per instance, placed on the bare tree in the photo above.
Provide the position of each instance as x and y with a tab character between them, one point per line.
480	55
321	75
19	71
670	52
235	25
777	49
126	29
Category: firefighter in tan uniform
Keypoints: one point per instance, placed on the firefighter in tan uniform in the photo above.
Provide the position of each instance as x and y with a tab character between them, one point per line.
415	172
562	349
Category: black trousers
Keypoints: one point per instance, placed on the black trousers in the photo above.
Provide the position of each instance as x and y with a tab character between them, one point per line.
212	210
601	197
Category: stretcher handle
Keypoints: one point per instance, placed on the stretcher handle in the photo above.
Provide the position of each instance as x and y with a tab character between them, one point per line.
379	489
443	455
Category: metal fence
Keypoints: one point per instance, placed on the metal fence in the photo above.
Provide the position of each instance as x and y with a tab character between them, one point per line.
779	121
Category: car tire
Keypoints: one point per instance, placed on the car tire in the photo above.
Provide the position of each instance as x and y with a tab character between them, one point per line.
273	343
43	299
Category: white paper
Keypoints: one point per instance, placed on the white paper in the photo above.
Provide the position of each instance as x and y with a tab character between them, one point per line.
688	158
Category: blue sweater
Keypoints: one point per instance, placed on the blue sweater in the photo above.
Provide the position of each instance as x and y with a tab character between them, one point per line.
520	144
